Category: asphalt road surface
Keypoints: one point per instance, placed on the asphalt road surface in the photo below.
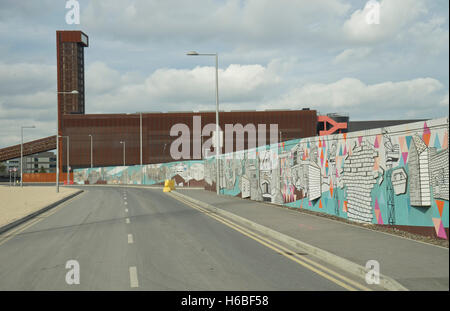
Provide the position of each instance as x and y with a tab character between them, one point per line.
143	239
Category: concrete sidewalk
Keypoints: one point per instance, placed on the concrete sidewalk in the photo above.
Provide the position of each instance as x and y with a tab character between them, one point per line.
415	265
17	203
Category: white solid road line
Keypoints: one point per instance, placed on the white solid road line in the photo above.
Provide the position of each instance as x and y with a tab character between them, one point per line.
133	277
130	239
127	220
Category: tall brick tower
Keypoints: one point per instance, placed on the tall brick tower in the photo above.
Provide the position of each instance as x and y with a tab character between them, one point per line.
70	66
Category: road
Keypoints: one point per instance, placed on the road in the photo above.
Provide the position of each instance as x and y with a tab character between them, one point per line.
143	239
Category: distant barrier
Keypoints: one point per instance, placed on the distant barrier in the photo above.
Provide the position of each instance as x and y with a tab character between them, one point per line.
46	177
183	174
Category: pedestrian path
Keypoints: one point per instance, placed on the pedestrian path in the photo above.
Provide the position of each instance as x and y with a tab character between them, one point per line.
413	264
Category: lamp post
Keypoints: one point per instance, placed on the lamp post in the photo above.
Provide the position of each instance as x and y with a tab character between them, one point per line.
21	152
91	150
140	114
193	53
68	162
74	92
124	143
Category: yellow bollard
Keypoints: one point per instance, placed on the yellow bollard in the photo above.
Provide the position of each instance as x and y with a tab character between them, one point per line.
167	187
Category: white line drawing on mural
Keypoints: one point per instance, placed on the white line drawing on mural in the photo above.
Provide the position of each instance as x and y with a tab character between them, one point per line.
439	173
399	180
419	173
359	179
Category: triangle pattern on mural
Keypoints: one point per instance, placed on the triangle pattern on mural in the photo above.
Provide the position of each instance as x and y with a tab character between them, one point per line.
437	144
408	141
445	141
402	143
426	134
440	206
439	228
377	141
376	164
377	212
378	216
321	156
405	157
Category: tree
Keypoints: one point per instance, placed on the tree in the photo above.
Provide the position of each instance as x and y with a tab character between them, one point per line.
42	170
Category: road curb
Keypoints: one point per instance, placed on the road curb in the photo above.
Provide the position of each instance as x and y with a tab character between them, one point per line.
17	222
342	263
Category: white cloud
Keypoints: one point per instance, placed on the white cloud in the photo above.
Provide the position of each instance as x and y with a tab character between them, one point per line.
362	101
394	16
172	87
243	22
444	101
352	55
25	78
431	36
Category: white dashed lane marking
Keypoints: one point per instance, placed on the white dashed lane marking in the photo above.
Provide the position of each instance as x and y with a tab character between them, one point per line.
127	220
130	239
133	277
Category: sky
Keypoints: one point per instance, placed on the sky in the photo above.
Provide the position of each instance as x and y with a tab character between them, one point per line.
328	55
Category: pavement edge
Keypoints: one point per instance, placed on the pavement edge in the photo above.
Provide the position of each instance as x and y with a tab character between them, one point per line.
17	222
342	263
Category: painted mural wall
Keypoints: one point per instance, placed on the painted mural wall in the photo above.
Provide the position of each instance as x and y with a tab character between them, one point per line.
187	173
395	176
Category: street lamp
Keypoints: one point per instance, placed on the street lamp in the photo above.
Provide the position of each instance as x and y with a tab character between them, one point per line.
21	152
57	141
124	143
91	150
72	92
194	53
68	163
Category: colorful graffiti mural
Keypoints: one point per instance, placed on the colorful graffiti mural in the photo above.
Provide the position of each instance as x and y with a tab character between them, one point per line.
187	173
395	176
